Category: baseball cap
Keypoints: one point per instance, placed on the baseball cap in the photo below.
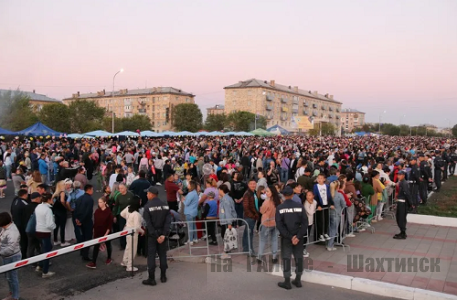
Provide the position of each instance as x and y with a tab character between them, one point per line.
35	195
401	172
152	190
287	191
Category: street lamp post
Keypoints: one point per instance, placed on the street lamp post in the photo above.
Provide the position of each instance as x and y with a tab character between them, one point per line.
112	96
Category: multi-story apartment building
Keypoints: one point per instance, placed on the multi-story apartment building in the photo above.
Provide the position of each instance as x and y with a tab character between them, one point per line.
352	118
36	101
157	103
216	110
279	103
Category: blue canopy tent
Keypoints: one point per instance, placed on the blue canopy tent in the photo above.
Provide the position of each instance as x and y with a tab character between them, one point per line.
127	133
38	129
185	133
278	129
100	133
148	133
243	133
6	132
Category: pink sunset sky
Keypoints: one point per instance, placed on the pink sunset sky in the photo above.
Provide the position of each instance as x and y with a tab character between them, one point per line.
398	56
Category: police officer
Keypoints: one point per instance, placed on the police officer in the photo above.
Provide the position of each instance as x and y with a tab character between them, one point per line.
403	200
414	178
453	161
292	223
447	161
158	221
425	177
439	167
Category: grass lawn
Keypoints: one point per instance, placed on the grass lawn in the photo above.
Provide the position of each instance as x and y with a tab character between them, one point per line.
444	203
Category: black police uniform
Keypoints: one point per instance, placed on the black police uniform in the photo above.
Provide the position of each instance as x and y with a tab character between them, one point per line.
446	159
403	202
414	178
291	220
425	176
158	221
439	166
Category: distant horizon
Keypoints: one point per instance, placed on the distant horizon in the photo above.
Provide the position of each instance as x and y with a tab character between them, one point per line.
393	56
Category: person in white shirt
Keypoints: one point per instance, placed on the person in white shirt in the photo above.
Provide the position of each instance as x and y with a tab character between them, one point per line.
310	208
45	225
112	178
133	221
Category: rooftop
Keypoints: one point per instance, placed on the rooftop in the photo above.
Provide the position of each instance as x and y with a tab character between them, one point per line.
134	92
350	110
279	87
217	106
32	95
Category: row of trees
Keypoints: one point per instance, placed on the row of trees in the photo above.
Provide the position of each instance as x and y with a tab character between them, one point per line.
401	130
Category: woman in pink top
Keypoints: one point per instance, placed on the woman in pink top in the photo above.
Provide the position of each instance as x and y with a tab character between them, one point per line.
268	227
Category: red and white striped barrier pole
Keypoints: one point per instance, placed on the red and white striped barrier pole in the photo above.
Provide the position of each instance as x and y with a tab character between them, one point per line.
66	250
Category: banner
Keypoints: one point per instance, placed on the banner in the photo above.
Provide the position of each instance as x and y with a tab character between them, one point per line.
303	122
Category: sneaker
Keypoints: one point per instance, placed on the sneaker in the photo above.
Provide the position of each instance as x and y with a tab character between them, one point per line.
66	244
351	235
158	183
326	237
225	256
47	275
204	237
38	269
108	261
362	229
321	238
189	243
380	218
123	264
331	249
274	261
174	237
213	243
305	253
374	221
56	243
91	265
134	269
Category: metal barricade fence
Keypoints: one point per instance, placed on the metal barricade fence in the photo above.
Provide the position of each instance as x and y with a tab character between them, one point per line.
389	207
66	250
207	246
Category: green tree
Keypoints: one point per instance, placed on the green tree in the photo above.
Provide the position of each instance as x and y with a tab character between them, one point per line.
390	129
56	116
454	130
187	117
404	130
215	122
244	121
107	124
16	113
328	129
136	122
85	116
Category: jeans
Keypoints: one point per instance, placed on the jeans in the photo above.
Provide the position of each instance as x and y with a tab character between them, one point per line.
8	171
11	276
78	234
239	213
86	231
247	244
46	246
191	228
284	175
44	178
33	245
266	232
335	220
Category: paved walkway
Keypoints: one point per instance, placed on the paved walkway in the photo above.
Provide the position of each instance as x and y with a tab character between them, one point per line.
424	241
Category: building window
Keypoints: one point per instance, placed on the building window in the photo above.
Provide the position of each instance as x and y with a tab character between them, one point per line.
249	103
234	92
187	100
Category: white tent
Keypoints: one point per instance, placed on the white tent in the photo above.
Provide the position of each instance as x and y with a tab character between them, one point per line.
148	133
101	133
127	133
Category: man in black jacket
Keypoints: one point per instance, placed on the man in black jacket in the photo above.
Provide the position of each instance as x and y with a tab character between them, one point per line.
33	243
425	178
139	187
83	212
19	214
292	223
403	200
158	221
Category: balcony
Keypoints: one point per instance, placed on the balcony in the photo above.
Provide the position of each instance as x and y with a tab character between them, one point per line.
283	100
270	98
314	113
294	110
295	101
269	117
283	118
314	105
305	112
337	117
330	109
323	107
269	107
330	116
305	104
284	109
337	110
142	110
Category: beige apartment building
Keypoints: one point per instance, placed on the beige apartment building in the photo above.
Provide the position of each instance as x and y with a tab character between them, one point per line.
352	118
279	103
36	101
216	110
157	103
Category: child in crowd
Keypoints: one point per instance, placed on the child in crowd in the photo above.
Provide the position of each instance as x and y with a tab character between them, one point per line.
210	213
130	176
310	208
133	221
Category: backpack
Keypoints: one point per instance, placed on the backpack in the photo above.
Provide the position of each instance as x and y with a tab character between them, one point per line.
31	224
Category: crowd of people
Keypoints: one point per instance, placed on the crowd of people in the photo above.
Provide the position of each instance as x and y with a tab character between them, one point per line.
339	182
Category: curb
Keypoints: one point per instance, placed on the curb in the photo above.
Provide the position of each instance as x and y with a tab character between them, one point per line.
432	220
370	286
